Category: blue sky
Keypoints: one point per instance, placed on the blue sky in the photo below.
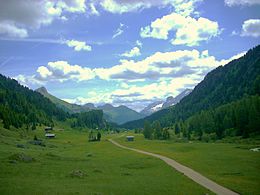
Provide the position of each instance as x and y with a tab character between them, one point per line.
130	52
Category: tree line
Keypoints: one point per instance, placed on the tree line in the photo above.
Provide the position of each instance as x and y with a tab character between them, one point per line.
239	118
155	131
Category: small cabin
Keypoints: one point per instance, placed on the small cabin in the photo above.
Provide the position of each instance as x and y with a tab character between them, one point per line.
48	128
50	135
129	138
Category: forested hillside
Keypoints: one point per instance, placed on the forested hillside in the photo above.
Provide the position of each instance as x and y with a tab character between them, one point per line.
238	118
20	106
223	85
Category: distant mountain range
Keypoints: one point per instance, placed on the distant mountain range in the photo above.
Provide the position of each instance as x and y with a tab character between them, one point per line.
223	85
170	101
119	115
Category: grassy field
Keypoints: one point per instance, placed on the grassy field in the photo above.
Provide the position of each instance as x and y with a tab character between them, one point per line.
69	164
232	165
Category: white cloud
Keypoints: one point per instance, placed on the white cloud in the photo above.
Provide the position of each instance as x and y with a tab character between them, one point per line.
119	30
139	43
167	65
188	31
161	65
132	53
234	33
93	9
11	30
168	73
63	71
72	6
184	7
78	45
25	80
226	61
251	28
44	72
20	16
242	2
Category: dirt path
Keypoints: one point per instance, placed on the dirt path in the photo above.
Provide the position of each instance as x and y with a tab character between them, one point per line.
195	176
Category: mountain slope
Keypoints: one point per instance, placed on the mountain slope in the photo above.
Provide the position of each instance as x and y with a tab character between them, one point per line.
151	108
120	114
71	108
170	101
222	85
21	106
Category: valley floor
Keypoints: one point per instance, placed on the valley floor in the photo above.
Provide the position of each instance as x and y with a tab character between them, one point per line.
69	164
231	165
195	176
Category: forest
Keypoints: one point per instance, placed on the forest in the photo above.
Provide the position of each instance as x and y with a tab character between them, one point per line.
239	118
22	107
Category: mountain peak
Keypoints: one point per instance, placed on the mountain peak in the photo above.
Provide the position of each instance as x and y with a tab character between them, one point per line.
170	101
42	90
170	98
106	106
89	105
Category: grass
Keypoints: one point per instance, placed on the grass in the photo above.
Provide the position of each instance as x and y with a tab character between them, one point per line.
71	165
231	165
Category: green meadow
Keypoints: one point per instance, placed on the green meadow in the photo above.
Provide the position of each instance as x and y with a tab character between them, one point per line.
231	165
69	164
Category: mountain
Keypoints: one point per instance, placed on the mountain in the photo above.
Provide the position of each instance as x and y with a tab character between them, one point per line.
89	106
67	107
151	108
120	114
223	85
113	114
170	101
21	106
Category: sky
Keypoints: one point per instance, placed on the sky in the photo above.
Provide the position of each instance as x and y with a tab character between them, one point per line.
122	52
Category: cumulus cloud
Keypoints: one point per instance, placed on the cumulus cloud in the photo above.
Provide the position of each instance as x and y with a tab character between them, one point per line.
19	17
78	45
16	16
185	7
242	2
132	53
251	28
63	71
11	30
167	64
25	80
168	74
161	65
188	31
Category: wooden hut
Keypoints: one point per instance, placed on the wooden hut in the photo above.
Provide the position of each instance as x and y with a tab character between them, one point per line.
129	138
48	129
50	135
